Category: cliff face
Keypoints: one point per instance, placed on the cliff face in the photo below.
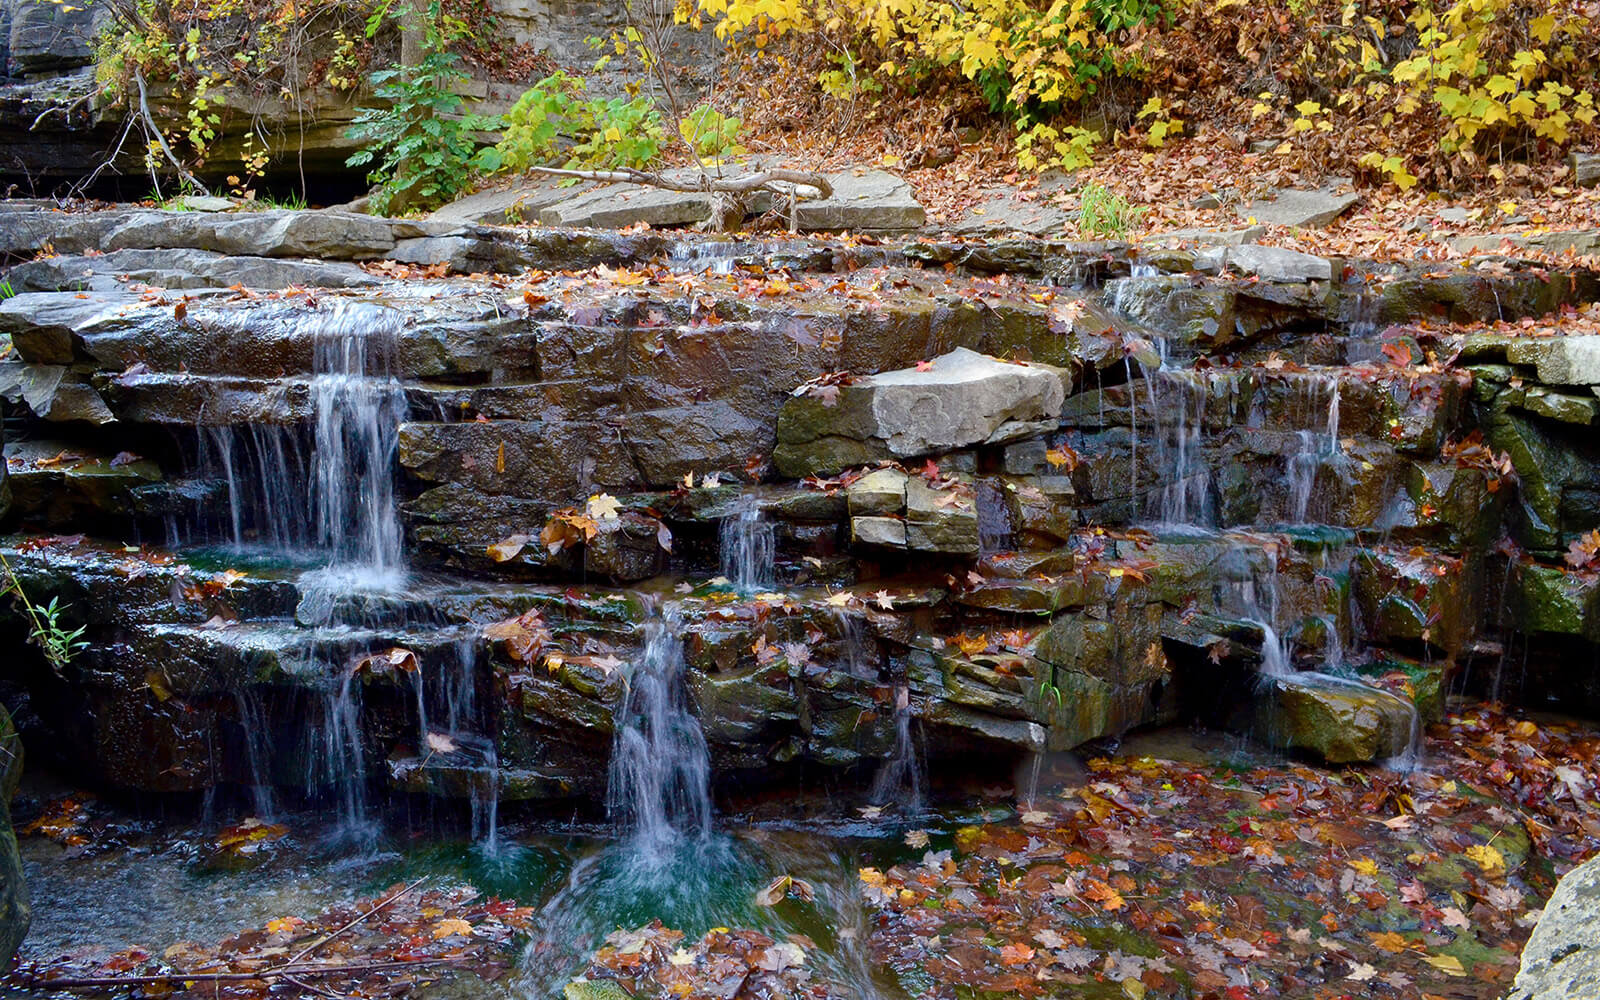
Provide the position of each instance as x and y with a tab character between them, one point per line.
57	126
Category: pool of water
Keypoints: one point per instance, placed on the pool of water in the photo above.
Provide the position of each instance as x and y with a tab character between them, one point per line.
159	884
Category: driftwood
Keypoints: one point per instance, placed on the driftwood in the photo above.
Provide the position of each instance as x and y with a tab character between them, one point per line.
728	194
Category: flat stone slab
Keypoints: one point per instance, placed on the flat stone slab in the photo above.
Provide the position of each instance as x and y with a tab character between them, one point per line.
1300	208
518	204
1581	242
1586	169
618	206
1561	960
1559	360
1267	263
958	399
1209	237
184	269
871	200
1003	211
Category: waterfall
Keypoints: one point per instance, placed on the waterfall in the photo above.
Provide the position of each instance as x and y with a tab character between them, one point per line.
338	760
853	636
258	753
899	777
1317	449
326	491
359	404
659	786
748	547
1185	500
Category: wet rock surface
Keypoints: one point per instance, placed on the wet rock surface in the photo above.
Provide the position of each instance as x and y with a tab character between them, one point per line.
977	491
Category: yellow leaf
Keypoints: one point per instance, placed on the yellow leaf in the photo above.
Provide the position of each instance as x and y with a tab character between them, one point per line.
452	926
1488	858
1365	866
1448	964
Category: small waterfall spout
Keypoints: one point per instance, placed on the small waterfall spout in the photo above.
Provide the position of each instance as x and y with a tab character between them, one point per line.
338	759
659	787
899	777
748	547
359	405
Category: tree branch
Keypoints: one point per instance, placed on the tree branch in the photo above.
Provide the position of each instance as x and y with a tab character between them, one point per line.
150	120
796	180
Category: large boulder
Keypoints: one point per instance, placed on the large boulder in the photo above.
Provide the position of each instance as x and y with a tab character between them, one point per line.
959	399
1341	721
15	912
1560	961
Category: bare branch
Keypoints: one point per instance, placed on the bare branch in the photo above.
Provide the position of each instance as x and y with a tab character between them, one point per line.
776	180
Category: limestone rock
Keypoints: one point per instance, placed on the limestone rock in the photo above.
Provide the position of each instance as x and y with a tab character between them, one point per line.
880	492
513	205
1559	360
1210	237
1302	209
618	206
1586	169
1277	263
940	520
962	398
866	200
886	531
1341	721
50	38
1561	960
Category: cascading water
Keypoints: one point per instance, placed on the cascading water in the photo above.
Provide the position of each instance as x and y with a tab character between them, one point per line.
748	550
328	492
359	404
258	753
659	787
1316	449
899	777
338	759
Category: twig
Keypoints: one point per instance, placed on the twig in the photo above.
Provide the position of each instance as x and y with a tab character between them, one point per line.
313	946
281	972
150	120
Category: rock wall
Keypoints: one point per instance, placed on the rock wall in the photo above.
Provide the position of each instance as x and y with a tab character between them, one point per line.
972	496
56	125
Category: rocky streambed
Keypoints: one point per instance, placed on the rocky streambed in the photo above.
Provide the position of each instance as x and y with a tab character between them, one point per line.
366	515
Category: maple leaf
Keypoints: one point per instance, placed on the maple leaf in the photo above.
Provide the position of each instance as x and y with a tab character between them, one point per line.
440	743
839	599
603	507
1016	953
452	927
1453	917
797	653
924	366
883	600
1448	964
1488	858
1062	457
918	839
1108	898
1361	972
607	664
1034	817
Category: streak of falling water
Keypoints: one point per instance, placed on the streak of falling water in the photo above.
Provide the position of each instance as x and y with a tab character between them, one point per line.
852	635
899	778
338	759
1133	427
359	404
258	752
748	550
659	787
